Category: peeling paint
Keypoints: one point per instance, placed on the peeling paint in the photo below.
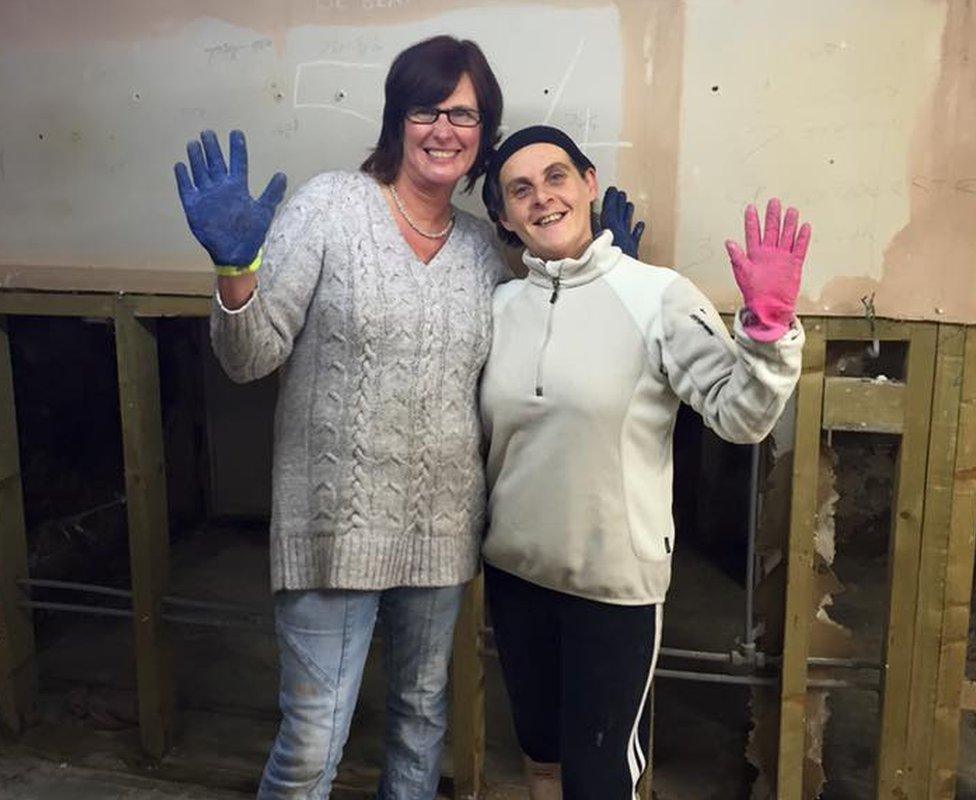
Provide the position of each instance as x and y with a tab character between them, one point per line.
827	637
927	271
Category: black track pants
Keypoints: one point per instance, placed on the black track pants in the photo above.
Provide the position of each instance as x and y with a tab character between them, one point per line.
578	673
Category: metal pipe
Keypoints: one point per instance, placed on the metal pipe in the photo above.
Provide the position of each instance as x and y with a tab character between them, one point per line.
696	655
715	677
98	611
728	658
758	680
260	619
91	588
103	611
72	586
841	663
749	639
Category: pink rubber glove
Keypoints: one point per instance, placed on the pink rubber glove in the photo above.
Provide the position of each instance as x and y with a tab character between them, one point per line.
768	273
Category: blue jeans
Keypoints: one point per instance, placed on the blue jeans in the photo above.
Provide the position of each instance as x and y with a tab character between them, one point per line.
323	640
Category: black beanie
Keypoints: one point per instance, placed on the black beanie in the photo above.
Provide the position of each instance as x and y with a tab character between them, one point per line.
534	134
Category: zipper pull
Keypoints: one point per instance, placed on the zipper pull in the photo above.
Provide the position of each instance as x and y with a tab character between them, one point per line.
555	290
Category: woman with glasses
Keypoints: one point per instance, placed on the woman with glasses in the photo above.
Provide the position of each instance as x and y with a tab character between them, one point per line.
372	295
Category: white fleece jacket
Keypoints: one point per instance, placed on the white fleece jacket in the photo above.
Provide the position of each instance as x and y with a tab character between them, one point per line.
589	362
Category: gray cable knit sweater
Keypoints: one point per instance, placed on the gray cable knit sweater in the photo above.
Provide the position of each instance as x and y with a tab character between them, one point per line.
378	478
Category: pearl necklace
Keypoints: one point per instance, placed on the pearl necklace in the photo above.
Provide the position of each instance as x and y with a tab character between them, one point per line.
412	224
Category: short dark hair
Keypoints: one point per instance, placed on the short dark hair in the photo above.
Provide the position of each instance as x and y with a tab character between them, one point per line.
423	75
491	195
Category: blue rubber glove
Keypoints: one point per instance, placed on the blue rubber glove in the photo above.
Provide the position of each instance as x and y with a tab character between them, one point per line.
229	224
616	215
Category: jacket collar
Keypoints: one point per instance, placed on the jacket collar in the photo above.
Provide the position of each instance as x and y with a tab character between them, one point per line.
600	257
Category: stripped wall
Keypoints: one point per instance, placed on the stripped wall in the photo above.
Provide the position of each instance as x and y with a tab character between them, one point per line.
863	114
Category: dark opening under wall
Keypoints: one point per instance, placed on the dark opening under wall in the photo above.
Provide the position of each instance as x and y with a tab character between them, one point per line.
72	462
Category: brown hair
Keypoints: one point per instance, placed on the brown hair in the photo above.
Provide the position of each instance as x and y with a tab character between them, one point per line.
423	75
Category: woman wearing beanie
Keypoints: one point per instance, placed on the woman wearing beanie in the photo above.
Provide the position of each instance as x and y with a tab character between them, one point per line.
591	355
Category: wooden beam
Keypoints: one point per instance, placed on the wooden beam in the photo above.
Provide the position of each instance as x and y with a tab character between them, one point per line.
953	692
18	679
859	330
145	484
56	304
150	305
468	695
863	405
799	567
904	550
933	560
73	304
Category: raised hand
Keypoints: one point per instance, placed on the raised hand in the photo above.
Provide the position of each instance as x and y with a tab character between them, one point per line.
616	215
222	215
769	271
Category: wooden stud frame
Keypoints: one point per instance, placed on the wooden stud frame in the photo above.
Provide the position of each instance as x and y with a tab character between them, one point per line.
950	681
904	548
931	558
145	484
17	671
138	372
799	568
468	695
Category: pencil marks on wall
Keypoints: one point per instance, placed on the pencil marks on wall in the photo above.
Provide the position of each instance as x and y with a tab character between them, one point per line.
583	121
340	87
567	74
228	51
309	97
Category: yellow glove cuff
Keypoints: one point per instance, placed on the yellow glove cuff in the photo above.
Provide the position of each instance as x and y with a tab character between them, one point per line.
233	272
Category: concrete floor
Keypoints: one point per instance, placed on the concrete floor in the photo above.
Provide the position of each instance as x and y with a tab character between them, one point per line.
227	698
29	778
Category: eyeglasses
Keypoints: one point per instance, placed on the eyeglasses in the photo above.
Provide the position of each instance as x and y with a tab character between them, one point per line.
458	116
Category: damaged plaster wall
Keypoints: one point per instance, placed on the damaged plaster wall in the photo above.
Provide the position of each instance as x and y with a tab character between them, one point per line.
828	638
860	113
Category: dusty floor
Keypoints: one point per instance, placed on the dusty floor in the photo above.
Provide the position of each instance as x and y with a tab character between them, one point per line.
226	680
28	778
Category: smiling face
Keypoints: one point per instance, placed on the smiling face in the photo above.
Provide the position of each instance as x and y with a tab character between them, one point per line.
441	154
547	201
